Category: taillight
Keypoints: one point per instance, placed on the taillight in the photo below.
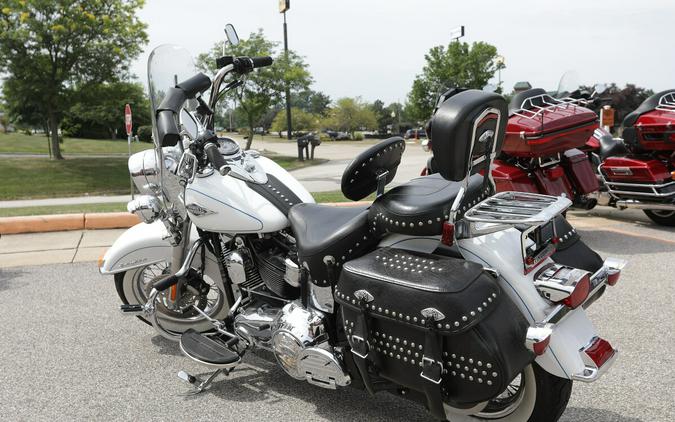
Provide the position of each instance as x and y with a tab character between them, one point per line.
538	338
599	351
448	237
613	276
579	294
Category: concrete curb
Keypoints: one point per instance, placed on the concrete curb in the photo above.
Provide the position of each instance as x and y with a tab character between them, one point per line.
88	221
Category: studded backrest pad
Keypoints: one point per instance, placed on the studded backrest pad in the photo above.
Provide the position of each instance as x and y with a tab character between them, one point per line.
455	146
360	177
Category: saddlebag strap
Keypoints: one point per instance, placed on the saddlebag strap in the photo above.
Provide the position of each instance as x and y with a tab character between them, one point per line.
432	370
359	342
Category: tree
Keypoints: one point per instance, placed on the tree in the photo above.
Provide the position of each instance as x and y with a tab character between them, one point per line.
300	120
315	102
50	47
98	109
265	87
350	115
457	65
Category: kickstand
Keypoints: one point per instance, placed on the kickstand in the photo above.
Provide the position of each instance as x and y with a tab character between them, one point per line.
197	383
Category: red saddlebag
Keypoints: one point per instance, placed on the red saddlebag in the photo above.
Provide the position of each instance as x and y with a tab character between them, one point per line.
436	325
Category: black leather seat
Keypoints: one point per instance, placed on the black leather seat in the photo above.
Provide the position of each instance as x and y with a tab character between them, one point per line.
420	206
647	105
323	231
610	147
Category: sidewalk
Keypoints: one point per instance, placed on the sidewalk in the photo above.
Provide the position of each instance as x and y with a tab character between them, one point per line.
55	247
75	200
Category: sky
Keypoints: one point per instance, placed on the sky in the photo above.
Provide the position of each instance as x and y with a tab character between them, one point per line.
374	48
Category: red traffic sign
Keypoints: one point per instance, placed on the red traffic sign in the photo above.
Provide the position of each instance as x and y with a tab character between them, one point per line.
127	119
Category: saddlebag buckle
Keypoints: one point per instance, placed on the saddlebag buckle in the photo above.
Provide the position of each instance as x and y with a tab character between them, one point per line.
359	346
432	370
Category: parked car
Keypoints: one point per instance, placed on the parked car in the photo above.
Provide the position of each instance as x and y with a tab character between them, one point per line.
415	134
337	136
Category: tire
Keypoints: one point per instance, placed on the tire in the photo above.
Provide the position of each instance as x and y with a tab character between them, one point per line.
543	399
662	217
132	287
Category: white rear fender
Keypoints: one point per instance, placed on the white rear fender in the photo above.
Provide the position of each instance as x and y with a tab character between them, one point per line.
501	251
145	244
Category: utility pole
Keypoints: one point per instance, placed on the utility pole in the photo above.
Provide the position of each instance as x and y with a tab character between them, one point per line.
284	5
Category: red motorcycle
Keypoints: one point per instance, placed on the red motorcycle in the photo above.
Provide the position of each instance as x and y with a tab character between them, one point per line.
638	171
541	151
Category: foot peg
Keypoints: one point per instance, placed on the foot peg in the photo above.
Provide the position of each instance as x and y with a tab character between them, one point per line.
132	309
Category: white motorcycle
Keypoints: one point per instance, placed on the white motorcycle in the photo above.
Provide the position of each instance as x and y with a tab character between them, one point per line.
441	291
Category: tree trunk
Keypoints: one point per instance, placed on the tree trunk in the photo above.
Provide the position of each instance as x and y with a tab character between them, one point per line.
249	141
54	133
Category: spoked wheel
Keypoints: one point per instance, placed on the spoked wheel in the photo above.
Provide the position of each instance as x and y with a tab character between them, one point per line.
174	306
662	217
533	396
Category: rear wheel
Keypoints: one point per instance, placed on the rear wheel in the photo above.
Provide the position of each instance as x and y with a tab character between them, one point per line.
175	306
533	396
662	217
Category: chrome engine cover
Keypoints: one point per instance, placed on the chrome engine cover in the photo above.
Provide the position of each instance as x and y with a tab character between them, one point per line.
300	345
255	325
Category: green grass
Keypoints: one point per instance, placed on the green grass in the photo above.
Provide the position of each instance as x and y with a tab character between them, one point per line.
23	178
63	209
37	144
32	178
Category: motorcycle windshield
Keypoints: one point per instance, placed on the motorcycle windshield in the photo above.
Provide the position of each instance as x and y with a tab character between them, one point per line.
167	66
569	83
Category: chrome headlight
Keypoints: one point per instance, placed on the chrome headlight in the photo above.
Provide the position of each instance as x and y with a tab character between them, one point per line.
146	207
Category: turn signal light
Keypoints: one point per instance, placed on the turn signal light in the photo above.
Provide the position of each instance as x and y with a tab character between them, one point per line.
672	175
540	347
599	351
448	237
579	294
613	276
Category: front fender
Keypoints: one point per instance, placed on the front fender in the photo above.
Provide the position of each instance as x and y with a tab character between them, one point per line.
142	244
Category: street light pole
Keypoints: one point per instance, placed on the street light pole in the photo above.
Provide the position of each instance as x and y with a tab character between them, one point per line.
289	128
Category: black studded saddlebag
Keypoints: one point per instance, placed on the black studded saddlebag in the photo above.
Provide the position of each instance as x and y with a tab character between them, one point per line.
438	325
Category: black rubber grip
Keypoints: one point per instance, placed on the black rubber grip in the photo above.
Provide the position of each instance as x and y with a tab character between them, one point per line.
165	283
262	61
216	159
194	85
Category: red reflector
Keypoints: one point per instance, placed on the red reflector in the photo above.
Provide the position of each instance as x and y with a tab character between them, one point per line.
600	351
540	347
448	237
555	172
613	276
580	293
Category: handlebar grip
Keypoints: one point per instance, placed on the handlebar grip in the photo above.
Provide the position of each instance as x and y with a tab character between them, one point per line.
216	159
165	283
261	61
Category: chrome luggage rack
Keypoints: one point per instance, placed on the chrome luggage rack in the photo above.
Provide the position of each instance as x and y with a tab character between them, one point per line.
667	103
511	209
537	105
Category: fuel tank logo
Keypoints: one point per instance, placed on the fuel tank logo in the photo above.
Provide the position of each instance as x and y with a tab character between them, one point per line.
198	211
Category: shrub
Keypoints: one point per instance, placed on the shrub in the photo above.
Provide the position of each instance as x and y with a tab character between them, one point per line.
144	133
358	136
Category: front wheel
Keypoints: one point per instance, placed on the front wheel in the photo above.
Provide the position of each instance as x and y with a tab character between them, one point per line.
175	308
662	217
533	396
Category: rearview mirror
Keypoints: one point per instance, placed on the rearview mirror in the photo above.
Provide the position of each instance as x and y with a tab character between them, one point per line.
231	34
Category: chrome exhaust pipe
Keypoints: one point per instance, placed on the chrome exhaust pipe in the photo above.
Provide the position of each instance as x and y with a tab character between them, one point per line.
644	205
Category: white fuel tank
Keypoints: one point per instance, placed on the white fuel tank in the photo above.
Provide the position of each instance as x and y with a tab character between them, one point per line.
225	204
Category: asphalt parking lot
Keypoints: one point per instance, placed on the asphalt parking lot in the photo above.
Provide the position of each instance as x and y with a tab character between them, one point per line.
68	354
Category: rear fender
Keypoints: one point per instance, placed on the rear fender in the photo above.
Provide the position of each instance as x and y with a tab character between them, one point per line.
501	251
